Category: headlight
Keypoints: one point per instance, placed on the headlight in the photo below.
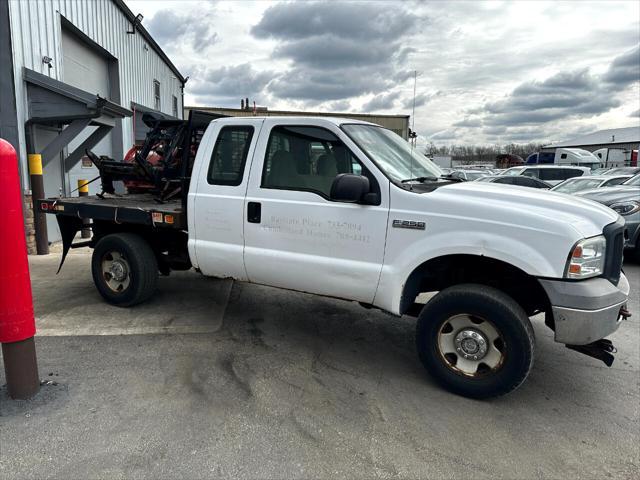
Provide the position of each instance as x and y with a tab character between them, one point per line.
626	208
587	258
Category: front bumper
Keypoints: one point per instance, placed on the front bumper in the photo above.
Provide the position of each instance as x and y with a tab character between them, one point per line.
586	311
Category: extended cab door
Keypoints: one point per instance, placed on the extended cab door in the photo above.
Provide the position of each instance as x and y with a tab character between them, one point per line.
216	207
295	236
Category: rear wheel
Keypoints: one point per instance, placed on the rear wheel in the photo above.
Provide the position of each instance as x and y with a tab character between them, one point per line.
476	341
125	269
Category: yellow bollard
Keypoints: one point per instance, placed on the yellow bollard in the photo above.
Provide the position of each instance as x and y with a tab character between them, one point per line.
83	191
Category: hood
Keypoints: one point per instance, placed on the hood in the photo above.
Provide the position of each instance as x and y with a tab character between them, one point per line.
609	195
533	207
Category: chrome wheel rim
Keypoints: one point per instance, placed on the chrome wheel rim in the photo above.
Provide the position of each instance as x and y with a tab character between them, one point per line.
116	271
471	345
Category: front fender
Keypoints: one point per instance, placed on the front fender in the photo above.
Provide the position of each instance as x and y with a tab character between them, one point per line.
508	250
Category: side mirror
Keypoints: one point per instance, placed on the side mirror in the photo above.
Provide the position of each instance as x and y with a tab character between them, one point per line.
350	188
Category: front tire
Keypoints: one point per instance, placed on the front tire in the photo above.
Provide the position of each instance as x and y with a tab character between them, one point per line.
475	341
125	269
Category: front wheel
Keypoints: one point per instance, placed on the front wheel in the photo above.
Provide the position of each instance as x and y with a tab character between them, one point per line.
475	341
125	269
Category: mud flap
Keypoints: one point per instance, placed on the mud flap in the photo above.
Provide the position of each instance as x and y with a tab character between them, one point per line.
69	227
600	349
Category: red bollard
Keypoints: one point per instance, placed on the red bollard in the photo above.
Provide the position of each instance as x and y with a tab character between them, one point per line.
17	323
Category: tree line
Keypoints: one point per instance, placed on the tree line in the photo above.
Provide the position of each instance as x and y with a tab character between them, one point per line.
482	153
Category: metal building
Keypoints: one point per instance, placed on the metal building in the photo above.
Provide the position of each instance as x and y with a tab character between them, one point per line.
398	123
619	138
83	73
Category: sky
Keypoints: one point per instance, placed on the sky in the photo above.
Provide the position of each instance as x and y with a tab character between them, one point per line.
487	72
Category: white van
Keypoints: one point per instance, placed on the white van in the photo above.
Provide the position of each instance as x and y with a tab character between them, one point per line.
578	157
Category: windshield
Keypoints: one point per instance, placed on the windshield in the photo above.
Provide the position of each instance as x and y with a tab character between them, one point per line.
513	171
634	181
578	184
391	153
475	175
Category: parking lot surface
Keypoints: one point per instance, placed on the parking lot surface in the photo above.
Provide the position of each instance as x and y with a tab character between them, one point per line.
215	379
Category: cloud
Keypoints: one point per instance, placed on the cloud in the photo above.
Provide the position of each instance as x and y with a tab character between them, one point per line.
421	99
337	50
294	21
563	95
383	101
234	82
625	69
635	114
171	28
314	85
469	122
339	106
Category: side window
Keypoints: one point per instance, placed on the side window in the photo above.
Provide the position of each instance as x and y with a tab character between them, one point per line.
156	95
306	158
563	156
532	172
570	173
230	156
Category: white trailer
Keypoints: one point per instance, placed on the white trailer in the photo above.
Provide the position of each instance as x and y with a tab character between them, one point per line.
613	157
576	156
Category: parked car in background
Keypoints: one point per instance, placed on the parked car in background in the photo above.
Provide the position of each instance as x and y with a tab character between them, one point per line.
578	184
551	174
624	199
623	171
518	180
468	175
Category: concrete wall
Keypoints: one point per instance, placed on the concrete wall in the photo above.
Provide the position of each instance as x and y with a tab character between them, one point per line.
36	31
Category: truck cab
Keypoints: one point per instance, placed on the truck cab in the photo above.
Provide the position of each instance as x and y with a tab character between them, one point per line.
348	209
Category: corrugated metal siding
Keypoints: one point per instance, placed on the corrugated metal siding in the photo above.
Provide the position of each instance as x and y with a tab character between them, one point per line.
36	32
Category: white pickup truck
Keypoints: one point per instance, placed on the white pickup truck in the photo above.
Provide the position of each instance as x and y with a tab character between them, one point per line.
346	209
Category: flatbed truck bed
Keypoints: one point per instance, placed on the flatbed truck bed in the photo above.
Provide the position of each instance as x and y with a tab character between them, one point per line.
140	209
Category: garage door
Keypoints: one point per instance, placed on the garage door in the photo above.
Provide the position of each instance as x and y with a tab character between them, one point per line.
88	70
83	67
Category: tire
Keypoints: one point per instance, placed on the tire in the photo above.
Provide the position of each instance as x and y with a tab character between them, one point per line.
125	269
461	318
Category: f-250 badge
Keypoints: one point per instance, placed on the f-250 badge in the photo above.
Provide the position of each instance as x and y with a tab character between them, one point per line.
410	224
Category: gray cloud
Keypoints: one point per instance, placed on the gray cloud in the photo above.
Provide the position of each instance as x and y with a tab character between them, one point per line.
635	114
314	85
339	106
170	28
625	69
564	95
469	122
329	51
421	99
384	101
338	50
290	21
230	83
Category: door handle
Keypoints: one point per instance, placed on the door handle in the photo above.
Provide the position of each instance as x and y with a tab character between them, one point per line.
254	212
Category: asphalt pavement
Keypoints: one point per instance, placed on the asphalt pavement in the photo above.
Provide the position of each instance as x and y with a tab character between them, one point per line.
216	379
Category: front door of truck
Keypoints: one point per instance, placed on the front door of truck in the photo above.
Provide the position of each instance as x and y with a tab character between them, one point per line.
295	236
218	202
